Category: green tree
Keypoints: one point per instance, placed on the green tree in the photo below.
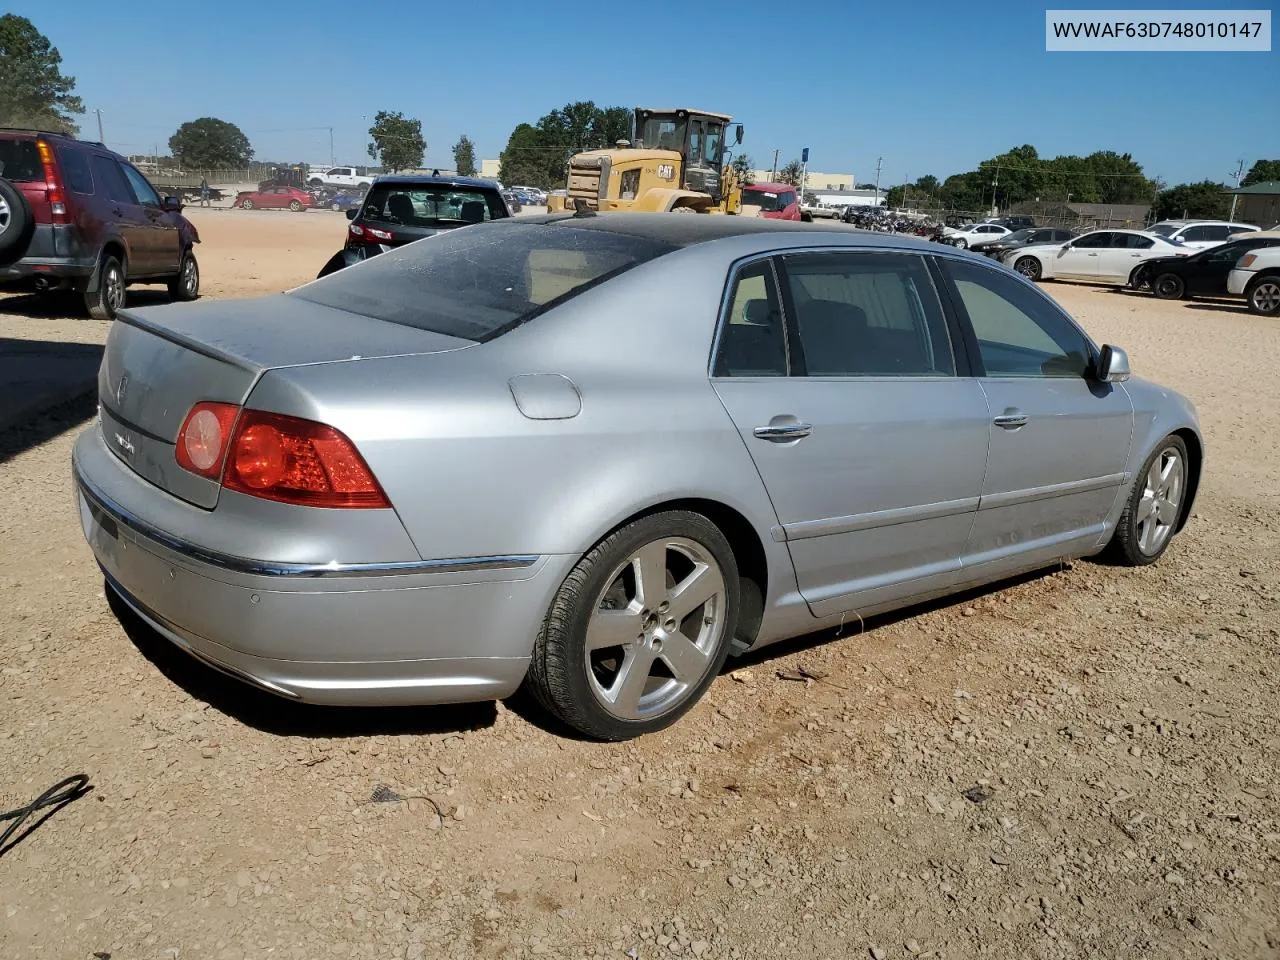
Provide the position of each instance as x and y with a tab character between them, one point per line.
464	157
1262	172
211	144
791	173
524	161
33	90
538	154
610	125
742	170
1203	200
396	141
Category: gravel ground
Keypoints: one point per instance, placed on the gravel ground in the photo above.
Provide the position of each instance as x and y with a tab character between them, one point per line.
1079	763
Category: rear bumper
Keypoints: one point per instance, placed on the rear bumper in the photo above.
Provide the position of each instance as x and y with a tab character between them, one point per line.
442	631
55	253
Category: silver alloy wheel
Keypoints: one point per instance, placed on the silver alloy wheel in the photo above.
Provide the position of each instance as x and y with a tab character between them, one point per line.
1029	267
655	628
113	292
1158	509
6	215
190	276
1266	297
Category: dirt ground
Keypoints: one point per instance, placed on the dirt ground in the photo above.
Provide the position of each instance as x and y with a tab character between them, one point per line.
1121	726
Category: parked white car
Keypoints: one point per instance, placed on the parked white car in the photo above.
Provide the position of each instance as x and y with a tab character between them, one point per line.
1198	234
1110	256
340	177
964	237
1256	277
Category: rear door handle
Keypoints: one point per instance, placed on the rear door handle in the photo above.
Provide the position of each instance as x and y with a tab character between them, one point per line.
1011	421
782	432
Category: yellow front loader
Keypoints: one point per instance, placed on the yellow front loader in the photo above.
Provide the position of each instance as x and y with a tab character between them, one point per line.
676	161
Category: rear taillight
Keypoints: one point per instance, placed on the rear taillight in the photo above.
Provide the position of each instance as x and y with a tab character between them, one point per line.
367	233
275	457
52	185
203	439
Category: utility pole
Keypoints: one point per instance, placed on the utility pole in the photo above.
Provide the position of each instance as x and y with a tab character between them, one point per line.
879	161
332	161
773	174
101	138
1235	196
995	182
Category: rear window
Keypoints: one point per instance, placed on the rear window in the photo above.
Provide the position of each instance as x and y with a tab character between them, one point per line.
431	205
20	161
480	282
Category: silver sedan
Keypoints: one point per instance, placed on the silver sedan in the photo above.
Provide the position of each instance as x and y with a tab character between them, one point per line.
597	455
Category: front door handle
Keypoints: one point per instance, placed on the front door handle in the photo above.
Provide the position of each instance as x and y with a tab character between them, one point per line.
783	432
1011	421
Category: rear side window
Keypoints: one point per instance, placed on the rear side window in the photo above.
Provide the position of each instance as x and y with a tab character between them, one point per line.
752	340
75	171
20	161
107	175
480	282
867	315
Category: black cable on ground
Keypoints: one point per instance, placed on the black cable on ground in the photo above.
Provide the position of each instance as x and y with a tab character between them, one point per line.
55	798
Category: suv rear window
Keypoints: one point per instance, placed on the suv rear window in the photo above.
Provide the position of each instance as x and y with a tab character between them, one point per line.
20	161
431	205
480	282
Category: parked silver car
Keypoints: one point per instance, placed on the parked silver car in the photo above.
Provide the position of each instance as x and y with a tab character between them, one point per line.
598	454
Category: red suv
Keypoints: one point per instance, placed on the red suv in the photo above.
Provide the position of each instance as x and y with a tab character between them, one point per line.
75	216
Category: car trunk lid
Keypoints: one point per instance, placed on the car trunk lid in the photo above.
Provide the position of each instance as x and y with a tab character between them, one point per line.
159	363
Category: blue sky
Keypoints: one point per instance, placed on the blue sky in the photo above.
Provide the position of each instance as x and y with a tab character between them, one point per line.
932	87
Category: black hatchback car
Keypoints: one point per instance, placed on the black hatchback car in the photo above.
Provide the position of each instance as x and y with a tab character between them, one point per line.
1202	274
401	209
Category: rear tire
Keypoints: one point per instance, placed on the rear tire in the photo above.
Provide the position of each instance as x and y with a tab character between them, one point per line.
1263	296
185	287
683	210
961	242
1029	267
295	206
1168	286
109	299
17	224
246	204
646	680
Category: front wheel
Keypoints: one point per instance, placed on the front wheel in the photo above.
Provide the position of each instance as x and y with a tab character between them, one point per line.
186	285
1263	296
640	627
1154	508
1029	267
246	204
1168	286
961	242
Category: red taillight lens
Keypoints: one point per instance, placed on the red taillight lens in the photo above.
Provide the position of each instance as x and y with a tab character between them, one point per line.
298	461
52	185
203	439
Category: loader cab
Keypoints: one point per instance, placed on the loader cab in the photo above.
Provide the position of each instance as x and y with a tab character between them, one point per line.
698	137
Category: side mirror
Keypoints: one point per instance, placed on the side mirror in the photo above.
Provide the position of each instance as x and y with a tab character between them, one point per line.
171	204
1113	365
737	135
351	214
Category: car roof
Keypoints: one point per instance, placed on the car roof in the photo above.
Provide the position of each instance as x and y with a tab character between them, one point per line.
409	179
684	230
775	187
1203	223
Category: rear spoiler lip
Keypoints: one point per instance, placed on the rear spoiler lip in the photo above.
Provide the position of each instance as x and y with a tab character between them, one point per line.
131	319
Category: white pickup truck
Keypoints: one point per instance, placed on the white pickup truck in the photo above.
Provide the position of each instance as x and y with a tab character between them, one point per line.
339	177
816	211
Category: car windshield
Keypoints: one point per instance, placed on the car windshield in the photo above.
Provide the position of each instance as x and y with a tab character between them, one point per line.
768	202
430	205
480	282
1163	229
19	160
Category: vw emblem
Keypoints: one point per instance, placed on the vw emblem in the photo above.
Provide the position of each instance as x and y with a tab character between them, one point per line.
122	389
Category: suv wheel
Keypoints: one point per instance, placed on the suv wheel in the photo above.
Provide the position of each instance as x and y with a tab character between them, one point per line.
16	223
186	285
1263	295
105	302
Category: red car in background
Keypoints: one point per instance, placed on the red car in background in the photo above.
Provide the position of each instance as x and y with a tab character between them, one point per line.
273	198
773	201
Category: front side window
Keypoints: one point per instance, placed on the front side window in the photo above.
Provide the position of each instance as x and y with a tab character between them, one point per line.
1019	333
867	315
752	340
711	144
143	190
1093	241
480	282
